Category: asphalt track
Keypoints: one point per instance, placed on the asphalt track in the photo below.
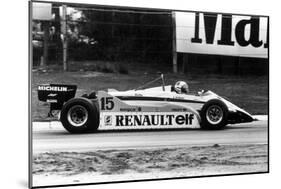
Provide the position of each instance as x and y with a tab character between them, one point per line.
52	137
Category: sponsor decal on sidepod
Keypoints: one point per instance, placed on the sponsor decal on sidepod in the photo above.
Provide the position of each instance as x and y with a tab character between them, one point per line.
149	120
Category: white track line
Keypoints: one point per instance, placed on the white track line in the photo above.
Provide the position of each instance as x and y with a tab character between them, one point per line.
261	117
56	125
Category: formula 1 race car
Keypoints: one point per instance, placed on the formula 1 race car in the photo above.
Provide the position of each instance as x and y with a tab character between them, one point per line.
149	108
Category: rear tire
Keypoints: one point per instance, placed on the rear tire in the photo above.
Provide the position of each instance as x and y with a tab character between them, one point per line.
214	115
80	115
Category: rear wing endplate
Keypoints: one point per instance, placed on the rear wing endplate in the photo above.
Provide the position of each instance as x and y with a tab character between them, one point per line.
56	94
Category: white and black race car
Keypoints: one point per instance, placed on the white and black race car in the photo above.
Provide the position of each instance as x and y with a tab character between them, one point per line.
149	108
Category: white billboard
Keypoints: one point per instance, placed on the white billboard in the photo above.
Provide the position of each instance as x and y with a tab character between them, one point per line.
41	11
222	34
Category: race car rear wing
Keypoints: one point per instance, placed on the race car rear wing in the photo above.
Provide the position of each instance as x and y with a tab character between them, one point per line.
56	94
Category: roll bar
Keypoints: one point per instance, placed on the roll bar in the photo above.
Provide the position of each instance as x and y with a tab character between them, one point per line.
150	82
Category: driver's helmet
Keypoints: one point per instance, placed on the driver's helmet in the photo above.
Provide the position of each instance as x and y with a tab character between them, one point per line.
181	87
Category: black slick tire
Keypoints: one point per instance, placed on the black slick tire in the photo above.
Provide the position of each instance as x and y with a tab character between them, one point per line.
86	112
218	122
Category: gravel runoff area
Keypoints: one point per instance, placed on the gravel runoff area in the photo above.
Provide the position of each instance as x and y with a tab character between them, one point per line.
136	164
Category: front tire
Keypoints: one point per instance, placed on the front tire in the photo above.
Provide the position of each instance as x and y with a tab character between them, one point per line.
80	115
214	115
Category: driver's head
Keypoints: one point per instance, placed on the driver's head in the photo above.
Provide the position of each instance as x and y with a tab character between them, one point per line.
181	87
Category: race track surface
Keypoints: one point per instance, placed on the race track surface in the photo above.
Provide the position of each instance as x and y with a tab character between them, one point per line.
52	137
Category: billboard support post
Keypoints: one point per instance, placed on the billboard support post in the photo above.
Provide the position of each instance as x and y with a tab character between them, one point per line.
174	44
64	38
184	62
44	60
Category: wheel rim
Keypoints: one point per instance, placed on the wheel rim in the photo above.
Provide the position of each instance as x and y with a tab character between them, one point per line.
214	114
77	115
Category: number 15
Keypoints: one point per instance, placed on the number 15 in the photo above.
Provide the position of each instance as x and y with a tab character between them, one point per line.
107	103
